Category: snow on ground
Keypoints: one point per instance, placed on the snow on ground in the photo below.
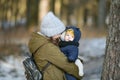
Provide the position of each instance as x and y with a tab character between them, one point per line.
12	68
92	48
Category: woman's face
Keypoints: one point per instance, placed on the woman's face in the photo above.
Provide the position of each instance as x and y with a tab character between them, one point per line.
56	37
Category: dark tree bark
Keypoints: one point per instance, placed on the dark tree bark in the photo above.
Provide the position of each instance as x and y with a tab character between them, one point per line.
111	66
16	10
32	12
52	3
61	8
101	13
70	10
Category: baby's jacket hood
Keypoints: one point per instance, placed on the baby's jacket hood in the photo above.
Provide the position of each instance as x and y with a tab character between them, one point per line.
77	32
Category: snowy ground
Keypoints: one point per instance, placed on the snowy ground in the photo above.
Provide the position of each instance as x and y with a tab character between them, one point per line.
12	69
91	50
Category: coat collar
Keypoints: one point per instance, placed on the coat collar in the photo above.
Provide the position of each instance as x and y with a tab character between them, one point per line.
36	41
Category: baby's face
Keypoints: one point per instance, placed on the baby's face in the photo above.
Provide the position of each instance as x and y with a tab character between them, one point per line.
69	37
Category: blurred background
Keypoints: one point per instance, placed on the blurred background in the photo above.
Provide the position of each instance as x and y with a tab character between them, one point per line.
19	18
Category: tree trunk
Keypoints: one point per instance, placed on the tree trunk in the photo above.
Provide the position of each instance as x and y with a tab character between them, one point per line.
102	13
32	12
52	8
44	7
111	67
61	8
70	10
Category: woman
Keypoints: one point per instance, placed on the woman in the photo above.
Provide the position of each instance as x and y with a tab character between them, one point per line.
50	29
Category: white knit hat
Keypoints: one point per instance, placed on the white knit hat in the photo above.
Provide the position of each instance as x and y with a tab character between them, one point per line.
51	25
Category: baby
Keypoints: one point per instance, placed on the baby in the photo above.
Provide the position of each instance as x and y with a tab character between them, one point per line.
69	46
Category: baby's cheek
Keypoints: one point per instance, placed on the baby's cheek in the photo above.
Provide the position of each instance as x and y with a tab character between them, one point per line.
71	39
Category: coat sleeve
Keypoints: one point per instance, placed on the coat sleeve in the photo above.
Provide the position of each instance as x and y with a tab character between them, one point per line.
56	57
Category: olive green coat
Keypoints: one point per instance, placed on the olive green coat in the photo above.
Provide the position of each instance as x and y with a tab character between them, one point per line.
49	52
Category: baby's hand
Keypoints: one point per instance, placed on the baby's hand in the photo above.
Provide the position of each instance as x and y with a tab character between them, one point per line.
80	67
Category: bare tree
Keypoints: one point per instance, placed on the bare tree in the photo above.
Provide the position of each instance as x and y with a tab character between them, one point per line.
32	12
52	7
102	13
111	66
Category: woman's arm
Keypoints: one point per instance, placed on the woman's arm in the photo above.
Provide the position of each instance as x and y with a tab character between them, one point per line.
56	57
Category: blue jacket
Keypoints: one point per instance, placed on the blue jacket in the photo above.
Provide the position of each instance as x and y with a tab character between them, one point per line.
70	49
